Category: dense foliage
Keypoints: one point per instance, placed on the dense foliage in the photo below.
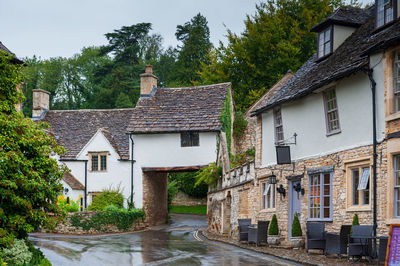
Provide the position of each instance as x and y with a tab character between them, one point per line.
186	183
273	229
107	197
172	192
239	125
277	38
67	205
209	175
240	158
29	178
296	227
226	120
123	219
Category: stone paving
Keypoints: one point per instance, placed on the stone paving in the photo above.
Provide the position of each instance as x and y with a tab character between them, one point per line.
296	255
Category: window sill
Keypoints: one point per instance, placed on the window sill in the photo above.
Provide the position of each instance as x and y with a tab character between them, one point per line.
392	117
320	220
333	133
98	171
267	210
359	208
392	221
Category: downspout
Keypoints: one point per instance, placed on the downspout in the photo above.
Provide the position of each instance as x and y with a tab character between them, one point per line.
374	156
86	184
132	162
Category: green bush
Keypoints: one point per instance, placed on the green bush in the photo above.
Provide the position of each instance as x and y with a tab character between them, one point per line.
273	227
70	206
111	208
296	228
209	175
172	191
38	258
122	218
355	222
18	253
186	183
239	125
107	197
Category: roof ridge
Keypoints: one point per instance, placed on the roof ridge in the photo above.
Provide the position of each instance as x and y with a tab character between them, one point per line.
198	87
90	110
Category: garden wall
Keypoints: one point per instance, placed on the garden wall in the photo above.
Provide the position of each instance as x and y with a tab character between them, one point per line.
183	199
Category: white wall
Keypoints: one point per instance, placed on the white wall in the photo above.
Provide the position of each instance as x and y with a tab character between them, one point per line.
72	194
164	150
306	117
340	34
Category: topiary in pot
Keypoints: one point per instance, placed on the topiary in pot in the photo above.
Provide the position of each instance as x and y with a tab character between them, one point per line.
273	232
296	240
355	222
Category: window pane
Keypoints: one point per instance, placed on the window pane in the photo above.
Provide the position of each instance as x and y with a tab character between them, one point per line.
366	195
263	197
327	35
185	139
103	165
273	196
356	176
389	15
326	212
397	202
327	48
195	138
95	163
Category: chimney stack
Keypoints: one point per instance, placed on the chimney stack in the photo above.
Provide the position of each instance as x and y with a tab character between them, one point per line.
41	101
147	81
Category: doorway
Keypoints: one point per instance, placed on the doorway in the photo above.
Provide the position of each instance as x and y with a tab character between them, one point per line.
294	203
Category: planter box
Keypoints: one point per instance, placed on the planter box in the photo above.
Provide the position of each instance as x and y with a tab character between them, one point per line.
273	240
297	242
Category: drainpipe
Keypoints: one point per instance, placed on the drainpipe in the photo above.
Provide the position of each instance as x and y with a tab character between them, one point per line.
132	162
86	184
373	89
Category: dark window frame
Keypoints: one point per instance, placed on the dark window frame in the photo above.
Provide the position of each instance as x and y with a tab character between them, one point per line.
394	15
328	121
278	126
190	139
98	165
330	27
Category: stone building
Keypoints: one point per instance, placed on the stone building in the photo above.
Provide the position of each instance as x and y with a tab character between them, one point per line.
315	132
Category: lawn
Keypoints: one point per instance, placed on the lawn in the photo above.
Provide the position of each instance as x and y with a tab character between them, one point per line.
189	209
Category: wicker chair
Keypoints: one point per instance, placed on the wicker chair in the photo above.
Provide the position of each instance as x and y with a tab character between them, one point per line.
315	236
259	234
337	243
244	229
359	241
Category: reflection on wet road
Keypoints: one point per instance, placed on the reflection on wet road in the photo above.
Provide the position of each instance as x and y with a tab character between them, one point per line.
176	244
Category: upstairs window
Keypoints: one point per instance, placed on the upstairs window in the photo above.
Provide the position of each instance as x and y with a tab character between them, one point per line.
325	42
98	161
396	80
189	139
331	112
385	12
278	126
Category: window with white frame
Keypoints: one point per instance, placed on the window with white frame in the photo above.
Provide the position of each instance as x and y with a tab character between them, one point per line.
325	42
396	204
98	161
385	12
360	184
268	195
320	199
396	80
279	138
331	112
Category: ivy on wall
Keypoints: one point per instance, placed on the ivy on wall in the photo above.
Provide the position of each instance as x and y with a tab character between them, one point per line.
226	120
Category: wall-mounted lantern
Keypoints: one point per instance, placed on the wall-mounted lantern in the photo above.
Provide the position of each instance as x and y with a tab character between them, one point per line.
298	189
66	190
281	190
272	179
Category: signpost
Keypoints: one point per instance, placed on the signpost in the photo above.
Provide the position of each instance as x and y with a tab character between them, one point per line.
393	248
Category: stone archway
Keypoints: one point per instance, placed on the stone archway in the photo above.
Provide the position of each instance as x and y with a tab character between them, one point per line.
155	194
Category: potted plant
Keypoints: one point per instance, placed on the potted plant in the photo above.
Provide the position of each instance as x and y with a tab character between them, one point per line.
273	232
296	240
355	222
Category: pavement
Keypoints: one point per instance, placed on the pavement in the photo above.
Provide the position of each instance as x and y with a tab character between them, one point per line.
180	243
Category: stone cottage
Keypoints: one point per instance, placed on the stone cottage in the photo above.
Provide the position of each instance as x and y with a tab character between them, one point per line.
169	130
326	134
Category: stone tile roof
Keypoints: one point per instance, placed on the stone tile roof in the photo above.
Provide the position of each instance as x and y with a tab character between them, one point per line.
180	109
347	59
74	128
71	180
346	16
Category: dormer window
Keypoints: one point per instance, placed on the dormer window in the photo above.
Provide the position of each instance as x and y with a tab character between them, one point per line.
325	42
385	12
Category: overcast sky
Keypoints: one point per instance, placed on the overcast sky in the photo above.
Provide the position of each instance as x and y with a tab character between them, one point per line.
50	28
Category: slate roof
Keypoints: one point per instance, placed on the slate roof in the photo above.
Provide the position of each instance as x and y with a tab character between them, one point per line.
15	59
73	129
346	16
348	58
180	109
71	180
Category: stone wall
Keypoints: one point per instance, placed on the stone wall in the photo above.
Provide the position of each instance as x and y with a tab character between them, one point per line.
155	197
183	199
67	228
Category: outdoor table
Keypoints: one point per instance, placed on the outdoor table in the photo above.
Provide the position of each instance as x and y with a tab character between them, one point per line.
364	241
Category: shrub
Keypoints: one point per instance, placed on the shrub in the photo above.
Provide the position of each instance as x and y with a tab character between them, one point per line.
107	197
172	191
18	253
68	206
355	222
296	228
239	125
209	175
273	227
111	208
122	218
38	258
186	183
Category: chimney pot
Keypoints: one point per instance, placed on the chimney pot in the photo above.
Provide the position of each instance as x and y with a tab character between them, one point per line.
41	101
147	81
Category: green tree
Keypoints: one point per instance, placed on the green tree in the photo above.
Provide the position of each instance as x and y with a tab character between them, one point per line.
277	38
123	101
29	178
195	38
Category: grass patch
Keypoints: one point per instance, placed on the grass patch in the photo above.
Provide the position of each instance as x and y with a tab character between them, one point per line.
189	209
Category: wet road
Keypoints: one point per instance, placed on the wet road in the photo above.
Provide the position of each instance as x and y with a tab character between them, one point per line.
176	244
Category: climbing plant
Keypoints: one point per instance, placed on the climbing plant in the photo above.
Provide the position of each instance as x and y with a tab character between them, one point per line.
209	175
239	125
226	120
